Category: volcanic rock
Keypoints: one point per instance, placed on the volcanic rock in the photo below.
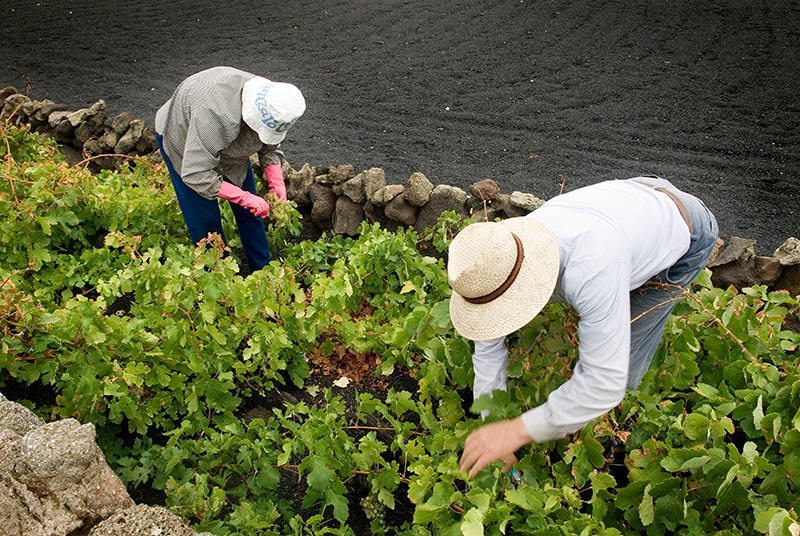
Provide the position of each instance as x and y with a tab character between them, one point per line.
418	190
443	198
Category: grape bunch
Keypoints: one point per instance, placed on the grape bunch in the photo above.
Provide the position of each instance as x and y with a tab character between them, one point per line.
373	508
281	213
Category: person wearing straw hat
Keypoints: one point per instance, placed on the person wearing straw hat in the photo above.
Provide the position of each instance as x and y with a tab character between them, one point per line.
594	248
206	133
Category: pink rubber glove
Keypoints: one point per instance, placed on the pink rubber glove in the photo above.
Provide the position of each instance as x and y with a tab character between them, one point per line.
256	205
274	176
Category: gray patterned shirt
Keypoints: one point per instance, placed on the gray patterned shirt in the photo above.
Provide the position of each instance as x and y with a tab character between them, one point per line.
204	134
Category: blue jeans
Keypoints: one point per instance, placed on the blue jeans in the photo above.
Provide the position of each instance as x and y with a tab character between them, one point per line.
650	306
202	215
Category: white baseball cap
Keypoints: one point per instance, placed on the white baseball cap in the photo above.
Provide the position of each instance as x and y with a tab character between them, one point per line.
271	108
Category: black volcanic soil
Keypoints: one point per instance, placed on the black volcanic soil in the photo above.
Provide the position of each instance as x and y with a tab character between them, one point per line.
529	93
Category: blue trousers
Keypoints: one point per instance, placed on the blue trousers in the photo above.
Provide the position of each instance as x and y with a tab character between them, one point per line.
202	215
650	306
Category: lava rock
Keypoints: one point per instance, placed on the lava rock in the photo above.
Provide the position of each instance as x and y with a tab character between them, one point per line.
143	520
767	270
12	106
55	480
788	253
56	118
443	198
354	189
401	211
323	204
131	137
41	111
735	265
418	190
347	216
147	142
503	202
339	174
79	116
376	214
7	92
374	180
121	122
386	194
735	249
487	214
789	280
298	185
485	190
525	201
107	141
17	418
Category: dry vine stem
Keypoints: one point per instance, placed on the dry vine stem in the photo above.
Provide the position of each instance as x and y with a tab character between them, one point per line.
10	159
88	159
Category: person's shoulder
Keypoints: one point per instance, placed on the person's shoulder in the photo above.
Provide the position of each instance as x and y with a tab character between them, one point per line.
222	70
597	261
216	79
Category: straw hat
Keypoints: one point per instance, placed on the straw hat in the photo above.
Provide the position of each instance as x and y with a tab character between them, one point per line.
271	108
502	274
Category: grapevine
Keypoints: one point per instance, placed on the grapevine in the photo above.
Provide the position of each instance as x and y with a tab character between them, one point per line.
283	221
200	385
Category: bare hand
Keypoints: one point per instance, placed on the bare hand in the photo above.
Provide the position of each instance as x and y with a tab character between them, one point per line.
493	442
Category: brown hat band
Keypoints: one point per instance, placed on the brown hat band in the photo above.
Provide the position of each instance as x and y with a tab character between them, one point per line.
496	293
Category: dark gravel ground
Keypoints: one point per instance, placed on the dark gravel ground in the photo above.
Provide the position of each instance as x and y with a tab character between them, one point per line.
528	93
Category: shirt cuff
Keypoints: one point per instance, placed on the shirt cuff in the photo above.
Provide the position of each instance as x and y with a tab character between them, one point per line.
206	186
537	423
271	155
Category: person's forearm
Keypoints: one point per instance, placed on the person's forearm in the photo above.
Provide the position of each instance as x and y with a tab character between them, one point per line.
600	376
538	424
274	176
270	155
255	204
489	363
586	396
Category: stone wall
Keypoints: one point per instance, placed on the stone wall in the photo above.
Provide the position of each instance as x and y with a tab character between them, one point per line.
89	131
338	199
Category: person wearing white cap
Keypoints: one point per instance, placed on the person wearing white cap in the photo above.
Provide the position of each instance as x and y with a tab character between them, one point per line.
206	133
595	248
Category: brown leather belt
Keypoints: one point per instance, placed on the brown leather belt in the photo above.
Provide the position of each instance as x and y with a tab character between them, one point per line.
678	203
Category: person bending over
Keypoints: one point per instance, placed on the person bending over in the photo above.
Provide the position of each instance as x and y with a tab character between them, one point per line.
206	133
595	248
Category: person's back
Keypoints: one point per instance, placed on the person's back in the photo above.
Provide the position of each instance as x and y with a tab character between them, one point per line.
202	119
616	221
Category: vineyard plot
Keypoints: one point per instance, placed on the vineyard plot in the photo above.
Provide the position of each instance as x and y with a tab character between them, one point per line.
223	394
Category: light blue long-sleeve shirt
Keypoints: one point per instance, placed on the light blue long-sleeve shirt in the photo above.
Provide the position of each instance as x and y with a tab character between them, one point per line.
612	238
